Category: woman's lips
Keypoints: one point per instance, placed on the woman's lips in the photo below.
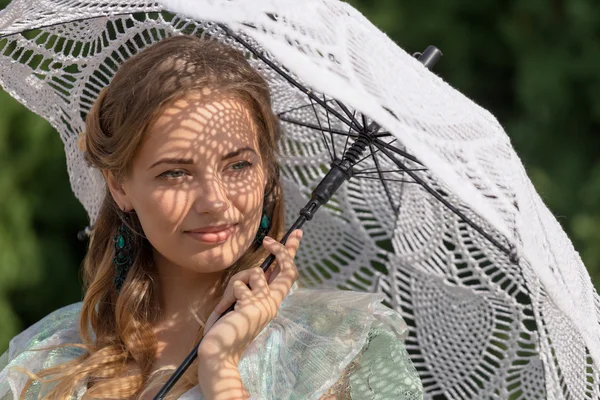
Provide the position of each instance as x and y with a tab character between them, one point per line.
213	237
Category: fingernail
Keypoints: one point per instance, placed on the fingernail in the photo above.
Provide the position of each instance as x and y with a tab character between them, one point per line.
268	239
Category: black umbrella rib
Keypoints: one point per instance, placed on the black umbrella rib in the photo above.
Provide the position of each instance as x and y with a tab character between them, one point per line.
367	156
364	120
322	131
315	127
348	137
383	182
371	171
330	133
351	115
380	143
382	179
285	75
445	202
289	110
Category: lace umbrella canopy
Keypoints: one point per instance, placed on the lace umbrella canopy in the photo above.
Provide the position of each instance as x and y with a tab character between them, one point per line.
498	302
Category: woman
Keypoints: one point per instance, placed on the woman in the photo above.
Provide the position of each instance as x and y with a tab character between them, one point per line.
186	139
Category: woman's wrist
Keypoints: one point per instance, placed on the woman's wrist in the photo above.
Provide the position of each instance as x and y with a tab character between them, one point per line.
221	382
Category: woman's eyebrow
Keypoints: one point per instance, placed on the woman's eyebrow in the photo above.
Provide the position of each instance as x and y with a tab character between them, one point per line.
171	160
237	152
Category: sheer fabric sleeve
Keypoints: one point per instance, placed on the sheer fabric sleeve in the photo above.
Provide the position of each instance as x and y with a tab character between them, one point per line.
3	363
382	369
320	337
57	328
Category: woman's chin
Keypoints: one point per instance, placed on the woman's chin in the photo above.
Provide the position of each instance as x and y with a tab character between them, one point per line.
209	263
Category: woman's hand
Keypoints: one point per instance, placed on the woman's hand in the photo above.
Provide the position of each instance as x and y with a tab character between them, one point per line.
225	342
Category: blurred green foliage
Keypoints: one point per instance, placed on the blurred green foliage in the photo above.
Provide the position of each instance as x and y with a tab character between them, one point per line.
533	64
39	220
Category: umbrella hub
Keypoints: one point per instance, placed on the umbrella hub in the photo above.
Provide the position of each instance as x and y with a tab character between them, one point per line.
357	148
342	170
365	138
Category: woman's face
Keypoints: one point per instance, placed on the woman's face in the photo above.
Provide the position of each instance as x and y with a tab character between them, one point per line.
198	168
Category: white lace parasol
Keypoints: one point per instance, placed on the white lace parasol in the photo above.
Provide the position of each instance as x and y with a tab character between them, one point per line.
482	326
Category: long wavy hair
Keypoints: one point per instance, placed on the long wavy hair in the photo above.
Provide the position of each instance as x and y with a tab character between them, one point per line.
116	327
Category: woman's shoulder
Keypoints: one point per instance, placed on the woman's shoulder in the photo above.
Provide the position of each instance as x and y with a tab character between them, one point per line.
59	324
33	349
58	327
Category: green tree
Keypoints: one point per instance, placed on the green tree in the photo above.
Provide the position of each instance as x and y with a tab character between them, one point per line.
39	219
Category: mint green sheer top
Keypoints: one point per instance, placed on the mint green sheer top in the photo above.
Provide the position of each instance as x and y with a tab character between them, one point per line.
329	344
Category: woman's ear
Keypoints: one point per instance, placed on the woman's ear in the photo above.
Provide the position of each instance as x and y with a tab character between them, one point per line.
117	191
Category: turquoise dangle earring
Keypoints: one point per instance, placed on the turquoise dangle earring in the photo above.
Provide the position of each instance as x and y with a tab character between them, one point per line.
265	225
123	241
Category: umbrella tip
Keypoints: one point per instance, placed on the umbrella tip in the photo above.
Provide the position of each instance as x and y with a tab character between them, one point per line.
429	57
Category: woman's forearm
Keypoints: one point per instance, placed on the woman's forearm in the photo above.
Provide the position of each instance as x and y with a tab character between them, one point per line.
221	382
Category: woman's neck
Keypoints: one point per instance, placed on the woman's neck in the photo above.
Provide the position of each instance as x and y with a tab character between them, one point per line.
185	297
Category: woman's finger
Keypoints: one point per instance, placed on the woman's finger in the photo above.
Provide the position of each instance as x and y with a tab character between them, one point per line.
293	242
287	274
291	245
236	289
243	276
258	283
240	292
261	283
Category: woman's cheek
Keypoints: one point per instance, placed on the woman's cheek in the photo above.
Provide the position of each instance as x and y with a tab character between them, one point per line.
169	206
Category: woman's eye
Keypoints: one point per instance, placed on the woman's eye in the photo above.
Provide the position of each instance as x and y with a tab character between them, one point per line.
180	173
238	166
176	173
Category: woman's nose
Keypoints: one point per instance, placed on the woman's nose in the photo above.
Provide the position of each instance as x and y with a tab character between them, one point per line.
211	197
